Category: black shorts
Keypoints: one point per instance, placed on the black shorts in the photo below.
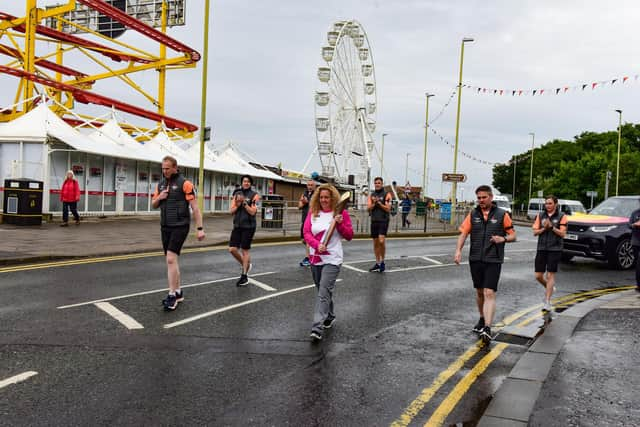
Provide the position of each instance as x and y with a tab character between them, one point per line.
241	238
379	229
485	275
547	261
173	238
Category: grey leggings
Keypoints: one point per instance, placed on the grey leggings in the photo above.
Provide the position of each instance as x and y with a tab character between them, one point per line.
324	277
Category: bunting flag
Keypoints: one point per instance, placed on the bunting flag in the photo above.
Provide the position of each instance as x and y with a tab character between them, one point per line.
460	152
444	107
550	91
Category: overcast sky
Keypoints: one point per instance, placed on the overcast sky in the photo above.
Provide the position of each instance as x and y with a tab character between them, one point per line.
264	54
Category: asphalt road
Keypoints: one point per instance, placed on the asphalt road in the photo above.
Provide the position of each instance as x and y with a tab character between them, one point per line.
92	345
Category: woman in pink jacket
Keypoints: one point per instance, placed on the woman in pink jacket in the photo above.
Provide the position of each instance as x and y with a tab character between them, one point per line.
70	195
326	259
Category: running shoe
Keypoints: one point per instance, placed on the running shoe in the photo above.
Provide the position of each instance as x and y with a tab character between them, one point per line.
375	268
479	326
547	306
179	295
305	262
328	322
243	280
171	303
316	336
382	268
485	335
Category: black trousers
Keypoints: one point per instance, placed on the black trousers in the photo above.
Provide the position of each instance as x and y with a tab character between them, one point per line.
74	210
636	251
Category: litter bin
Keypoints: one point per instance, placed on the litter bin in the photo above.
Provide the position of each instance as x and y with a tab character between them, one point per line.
421	207
272	211
22	203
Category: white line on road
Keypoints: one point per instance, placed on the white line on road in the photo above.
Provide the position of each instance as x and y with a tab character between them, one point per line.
155	291
347	266
17	378
261	285
120	316
423	267
426	258
240	304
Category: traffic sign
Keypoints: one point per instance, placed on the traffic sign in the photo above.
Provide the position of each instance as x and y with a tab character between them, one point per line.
592	194
454	177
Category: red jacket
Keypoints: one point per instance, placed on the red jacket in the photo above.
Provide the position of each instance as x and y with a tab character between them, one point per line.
70	191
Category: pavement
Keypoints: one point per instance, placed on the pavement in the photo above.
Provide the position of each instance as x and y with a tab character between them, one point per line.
559	380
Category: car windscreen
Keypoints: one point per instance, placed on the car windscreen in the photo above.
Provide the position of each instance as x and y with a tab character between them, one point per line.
616	207
503	204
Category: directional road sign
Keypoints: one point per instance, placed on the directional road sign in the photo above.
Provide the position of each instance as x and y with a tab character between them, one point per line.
454	177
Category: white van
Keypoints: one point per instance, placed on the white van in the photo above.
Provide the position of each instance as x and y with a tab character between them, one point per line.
569	207
502	202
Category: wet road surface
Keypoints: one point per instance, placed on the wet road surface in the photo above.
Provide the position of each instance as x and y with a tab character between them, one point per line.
401	351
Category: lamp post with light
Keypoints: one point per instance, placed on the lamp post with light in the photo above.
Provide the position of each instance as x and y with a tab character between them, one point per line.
455	150
424	158
533	141
619	139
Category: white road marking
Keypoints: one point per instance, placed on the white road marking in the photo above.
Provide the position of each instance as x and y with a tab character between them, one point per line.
155	291
233	306
261	285
347	266
423	267
17	378
128	321
426	258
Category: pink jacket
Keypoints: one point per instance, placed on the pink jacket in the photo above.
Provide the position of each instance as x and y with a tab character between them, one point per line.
344	228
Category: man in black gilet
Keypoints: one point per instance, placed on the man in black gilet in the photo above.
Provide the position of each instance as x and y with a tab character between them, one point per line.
379	206
490	228
174	196
243	208
303	205
550	226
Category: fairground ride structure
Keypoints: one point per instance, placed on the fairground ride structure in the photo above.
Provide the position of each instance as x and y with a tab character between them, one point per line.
84	32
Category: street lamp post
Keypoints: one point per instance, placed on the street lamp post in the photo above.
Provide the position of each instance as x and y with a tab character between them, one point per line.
619	139
382	156
406	169
455	150
424	158
203	107
533	141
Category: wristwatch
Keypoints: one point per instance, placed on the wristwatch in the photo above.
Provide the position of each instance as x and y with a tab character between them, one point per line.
199	228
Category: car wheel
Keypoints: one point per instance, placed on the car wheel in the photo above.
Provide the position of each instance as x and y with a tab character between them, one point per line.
566	257
623	256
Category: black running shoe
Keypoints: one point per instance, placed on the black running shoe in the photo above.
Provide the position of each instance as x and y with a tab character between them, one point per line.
479	326
328	323
485	335
179	296
171	303
316	336
243	280
382	267
375	268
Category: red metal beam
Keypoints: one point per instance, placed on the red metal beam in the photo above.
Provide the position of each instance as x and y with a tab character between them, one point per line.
15	53
141	27
87	97
68	38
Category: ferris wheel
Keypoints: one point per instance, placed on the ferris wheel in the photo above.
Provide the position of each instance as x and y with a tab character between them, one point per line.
345	105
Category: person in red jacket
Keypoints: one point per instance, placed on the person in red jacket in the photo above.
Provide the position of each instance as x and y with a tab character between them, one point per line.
70	195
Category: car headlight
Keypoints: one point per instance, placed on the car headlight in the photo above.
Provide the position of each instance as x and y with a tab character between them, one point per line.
602	228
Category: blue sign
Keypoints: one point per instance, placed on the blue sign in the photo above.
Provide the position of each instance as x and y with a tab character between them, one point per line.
445	211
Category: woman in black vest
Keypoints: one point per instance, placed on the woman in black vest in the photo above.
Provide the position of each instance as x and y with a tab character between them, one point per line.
243	208
550	226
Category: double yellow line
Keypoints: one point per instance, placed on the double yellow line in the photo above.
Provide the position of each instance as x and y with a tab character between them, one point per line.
451	400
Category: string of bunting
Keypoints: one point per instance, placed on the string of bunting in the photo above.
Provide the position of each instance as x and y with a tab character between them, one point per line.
467	155
561	90
444	107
